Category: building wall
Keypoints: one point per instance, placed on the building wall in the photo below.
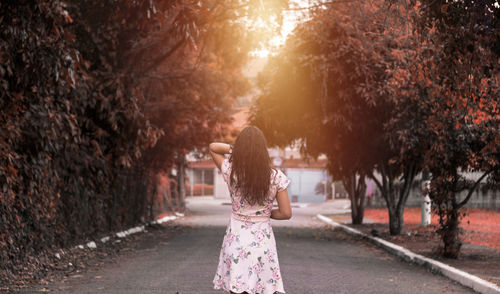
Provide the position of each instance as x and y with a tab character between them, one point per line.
307	185
200	181
220	187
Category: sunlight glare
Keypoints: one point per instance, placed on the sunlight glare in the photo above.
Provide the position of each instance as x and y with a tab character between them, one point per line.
290	20
261	53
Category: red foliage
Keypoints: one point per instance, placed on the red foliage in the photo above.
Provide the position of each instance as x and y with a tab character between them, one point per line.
395	88
452	85
87	88
329	89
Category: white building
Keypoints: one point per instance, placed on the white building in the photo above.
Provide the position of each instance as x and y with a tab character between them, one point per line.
308	179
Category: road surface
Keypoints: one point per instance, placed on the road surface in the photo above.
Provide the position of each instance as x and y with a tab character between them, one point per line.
313	259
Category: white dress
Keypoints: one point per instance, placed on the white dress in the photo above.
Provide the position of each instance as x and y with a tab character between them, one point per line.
248	259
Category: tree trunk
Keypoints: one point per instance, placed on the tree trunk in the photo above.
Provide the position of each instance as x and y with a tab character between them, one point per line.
181	184
358	203
395	221
450	230
356	188
443	194
395	201
167	197
151	195
450	236
357	218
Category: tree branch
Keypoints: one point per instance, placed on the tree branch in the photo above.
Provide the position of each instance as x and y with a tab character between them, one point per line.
469	195
159	60
377	182
408	180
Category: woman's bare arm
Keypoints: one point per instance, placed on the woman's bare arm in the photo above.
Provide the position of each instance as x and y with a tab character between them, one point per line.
284	210
217	151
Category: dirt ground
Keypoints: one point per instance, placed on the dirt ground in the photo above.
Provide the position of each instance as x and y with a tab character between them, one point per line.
481	227
480	253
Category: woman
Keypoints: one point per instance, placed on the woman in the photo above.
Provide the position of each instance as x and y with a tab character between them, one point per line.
248	261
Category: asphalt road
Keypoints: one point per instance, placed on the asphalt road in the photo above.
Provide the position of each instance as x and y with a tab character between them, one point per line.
312	259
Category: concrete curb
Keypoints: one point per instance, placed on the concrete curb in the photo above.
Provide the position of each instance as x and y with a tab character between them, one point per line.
122	234
464	278
131	231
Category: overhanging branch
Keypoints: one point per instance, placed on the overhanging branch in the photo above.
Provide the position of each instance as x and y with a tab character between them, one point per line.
471	190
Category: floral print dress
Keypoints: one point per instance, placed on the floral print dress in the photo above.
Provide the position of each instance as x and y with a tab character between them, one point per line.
248	259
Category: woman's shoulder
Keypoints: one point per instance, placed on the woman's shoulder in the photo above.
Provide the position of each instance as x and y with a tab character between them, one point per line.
276	175
277	172
279	179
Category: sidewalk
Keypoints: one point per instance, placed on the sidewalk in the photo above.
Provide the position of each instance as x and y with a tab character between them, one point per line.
480	252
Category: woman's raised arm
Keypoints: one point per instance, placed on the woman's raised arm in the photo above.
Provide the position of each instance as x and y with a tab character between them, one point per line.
217	151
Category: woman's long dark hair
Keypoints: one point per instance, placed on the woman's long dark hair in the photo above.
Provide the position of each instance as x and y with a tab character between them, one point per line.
251	166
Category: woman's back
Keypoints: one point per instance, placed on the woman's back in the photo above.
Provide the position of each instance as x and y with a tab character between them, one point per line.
248	261
278	182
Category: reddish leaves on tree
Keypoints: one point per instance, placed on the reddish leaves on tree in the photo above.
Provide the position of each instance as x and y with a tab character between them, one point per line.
96	97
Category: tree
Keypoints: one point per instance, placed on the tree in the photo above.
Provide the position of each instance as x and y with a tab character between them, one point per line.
329	89
88	88
451	78
191	93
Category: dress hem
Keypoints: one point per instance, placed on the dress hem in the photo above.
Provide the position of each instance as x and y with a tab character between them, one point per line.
242	291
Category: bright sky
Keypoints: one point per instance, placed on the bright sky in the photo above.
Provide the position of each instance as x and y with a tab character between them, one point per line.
290	20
